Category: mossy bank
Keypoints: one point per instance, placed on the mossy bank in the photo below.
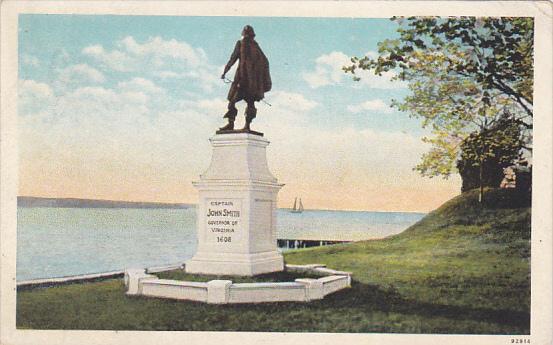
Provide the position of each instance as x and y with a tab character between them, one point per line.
462	269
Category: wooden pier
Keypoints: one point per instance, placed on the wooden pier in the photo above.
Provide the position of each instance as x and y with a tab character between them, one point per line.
286	243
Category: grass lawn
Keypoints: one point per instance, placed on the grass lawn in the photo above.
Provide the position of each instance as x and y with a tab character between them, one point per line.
461	269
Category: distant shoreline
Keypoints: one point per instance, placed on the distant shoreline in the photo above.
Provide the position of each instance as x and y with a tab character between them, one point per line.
31	201
330	210
34	201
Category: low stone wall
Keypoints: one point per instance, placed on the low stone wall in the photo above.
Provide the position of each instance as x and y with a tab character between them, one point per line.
139	282
174	289
90	277
47	282
267	292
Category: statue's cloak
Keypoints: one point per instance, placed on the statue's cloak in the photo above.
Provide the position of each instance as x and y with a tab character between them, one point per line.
252	78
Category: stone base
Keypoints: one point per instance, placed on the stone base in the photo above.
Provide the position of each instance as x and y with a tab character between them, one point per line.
235	264
225	291
238	131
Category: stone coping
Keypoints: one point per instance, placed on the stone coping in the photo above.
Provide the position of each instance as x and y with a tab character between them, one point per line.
272	285
176	283
27	284
45	282
142	283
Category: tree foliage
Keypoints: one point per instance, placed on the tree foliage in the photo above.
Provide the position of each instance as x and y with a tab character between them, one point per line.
489	152
464	74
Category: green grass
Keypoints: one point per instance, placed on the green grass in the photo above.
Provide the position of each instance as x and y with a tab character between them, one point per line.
283	276
462	269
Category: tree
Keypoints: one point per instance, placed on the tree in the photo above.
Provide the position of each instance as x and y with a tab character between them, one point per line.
463	74
484	155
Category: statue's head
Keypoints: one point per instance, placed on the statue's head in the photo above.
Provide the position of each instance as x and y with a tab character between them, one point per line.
248	32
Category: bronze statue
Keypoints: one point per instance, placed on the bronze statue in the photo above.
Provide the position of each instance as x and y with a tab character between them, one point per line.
251	81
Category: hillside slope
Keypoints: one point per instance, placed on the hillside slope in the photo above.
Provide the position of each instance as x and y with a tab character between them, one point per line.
467	263
460	270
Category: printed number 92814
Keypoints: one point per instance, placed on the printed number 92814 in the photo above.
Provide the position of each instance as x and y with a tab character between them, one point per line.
520	341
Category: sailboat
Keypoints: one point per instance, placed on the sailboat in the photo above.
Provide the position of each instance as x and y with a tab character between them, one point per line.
297	208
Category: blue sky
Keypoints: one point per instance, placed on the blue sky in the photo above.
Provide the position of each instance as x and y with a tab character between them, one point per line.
292	45
142	92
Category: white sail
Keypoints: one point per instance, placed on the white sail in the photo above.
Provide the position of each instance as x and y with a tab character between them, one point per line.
297	209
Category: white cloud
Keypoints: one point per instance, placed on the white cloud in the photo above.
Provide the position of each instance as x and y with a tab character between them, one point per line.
328	71
167	74
291	100
369	79
80	74
375	105
140	85
160	49
209	108
33	96
103	103
212	105
30	60
130	99
31	88
158	58
116	60
206	78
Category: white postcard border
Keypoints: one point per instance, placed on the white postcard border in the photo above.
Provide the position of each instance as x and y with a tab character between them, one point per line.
541	320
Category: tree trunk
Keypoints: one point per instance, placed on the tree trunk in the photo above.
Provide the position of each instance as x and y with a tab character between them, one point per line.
481	181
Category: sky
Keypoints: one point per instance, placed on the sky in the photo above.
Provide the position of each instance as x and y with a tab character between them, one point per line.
122	107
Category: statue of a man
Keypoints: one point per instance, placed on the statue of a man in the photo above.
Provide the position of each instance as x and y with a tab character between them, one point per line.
252	78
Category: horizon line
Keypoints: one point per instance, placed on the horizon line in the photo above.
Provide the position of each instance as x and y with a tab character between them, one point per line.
195	203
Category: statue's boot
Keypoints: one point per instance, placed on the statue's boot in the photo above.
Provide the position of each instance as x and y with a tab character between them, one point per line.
247	125
229	126
230	115
251	112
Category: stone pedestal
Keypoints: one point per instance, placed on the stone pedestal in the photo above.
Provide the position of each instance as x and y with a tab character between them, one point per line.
237	210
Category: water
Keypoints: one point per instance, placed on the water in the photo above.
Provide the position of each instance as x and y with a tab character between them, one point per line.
343	225
54	242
